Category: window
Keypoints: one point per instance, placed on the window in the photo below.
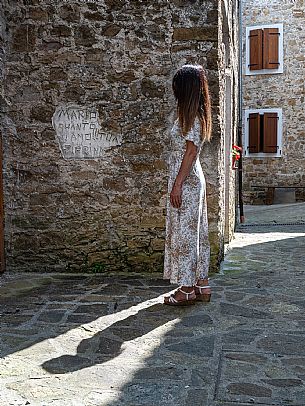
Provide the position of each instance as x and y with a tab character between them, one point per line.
263	133
264	49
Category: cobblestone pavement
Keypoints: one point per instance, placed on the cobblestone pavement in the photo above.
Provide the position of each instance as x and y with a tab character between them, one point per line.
94	340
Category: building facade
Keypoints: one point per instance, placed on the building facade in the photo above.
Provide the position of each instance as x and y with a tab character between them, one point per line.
273	99
85	112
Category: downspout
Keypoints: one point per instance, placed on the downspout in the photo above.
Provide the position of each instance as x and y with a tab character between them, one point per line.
240	125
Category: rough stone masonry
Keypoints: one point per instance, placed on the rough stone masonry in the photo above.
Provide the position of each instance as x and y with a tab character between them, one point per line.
86	105
284	90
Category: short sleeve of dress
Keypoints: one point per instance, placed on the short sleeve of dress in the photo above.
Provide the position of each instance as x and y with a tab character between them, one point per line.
194	133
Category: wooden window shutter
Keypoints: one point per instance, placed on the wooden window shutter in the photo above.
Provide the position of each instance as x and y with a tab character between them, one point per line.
256	49
254	132
271	48
270	132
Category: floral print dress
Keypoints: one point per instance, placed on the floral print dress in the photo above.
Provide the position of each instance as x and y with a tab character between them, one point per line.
187	249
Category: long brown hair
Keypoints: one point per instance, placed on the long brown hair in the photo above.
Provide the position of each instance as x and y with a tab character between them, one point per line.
190	87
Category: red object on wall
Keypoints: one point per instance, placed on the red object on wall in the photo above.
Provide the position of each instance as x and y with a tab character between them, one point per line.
236	151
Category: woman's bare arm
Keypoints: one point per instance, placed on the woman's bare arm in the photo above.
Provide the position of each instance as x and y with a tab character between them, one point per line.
185	168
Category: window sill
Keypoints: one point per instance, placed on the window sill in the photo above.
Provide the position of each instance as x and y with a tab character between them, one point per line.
264	72
263	155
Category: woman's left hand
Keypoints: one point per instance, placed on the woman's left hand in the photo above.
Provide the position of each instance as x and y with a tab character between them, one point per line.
176	196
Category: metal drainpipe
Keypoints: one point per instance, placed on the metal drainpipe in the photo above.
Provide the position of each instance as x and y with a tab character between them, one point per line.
240	112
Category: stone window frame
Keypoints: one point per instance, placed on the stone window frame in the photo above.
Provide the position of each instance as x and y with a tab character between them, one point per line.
279	152
280	69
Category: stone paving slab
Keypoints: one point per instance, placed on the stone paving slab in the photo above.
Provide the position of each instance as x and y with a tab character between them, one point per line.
95	340
275	213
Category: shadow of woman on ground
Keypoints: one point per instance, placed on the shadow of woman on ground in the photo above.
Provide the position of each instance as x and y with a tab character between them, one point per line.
107	344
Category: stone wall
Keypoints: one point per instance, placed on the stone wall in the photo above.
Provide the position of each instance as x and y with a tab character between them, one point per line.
103	69
229	80
2	53
284	91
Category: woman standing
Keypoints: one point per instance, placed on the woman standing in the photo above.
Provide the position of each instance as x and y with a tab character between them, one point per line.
187	249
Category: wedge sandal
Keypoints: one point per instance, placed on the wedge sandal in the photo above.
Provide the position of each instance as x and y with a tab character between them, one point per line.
190	299
201	296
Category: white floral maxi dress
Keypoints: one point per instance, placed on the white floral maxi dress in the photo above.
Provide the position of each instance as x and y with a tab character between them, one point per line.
187	249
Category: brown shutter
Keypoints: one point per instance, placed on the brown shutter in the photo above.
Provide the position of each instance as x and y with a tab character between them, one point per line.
271	48
254	132
256	49
270	132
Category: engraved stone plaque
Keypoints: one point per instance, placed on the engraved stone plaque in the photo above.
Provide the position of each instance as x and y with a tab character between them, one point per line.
79	133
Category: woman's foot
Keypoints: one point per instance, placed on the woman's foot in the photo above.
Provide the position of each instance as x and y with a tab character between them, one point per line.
203	290
183	296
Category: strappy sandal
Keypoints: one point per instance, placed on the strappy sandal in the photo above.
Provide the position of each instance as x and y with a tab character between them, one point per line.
171	301
200	296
